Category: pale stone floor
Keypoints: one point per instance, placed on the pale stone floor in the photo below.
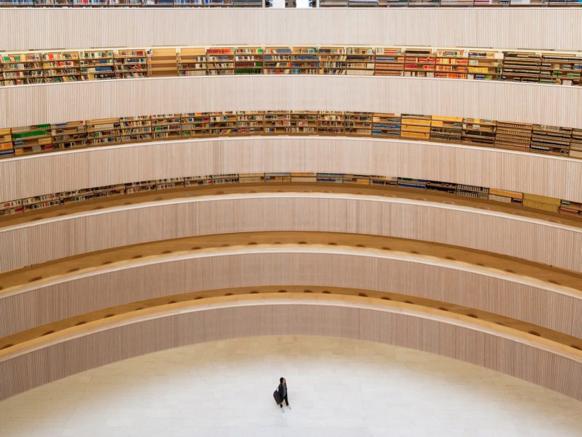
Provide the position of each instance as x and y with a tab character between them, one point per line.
337	388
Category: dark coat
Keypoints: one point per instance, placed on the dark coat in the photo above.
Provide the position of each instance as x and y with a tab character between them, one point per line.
282	389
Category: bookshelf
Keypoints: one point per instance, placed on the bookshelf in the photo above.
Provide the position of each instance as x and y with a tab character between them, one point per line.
135	129
531	138
195	125
449	129
386	125
302	178
277	60
251	178
417	127
333	3
248	60
61	66
479	132
360	61
277	122
222	123
192	62
247	3
220	61
505	196
166	127
551	139
288	3
562	68
32	139
484	65
22	68
103	132
419	62
522	67
576	144
389	62
331	123
450	63
304	123
97	64
130	63
304	60
71	135
332	60
513	136
250	123
536	202
570	208
358	123
163	62
6	147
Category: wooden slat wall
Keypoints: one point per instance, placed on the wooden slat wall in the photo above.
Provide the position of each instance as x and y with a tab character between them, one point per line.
555	105
520	237
514	296
529	28
491	348
545	175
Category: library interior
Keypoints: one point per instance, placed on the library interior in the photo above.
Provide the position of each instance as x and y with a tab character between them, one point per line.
371	207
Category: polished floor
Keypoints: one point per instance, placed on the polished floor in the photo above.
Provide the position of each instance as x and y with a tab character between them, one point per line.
337	388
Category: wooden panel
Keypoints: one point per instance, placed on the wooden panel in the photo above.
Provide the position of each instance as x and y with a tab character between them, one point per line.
518	297
529	28
554	105
521	237
58	172
478	343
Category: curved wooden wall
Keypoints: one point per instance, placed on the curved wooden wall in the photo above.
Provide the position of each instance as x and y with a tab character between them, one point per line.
518	297
97	167
462	338
554	105
529	28
522	237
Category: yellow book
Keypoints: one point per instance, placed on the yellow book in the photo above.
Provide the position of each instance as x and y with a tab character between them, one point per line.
541	199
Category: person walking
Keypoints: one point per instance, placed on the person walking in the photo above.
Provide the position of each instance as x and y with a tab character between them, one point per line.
283	395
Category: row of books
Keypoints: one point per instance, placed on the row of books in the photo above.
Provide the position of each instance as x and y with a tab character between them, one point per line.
522	137
547	204
64	66
254	3
132	3
445	3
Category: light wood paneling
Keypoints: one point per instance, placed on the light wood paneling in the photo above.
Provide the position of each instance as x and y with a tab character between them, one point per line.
555	105
68	171
514	296
529	28
477	342
521	237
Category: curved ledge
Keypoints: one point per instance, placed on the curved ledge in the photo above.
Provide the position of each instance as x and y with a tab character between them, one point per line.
517	236
460	337
514	296
98	167
554	105
448	27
